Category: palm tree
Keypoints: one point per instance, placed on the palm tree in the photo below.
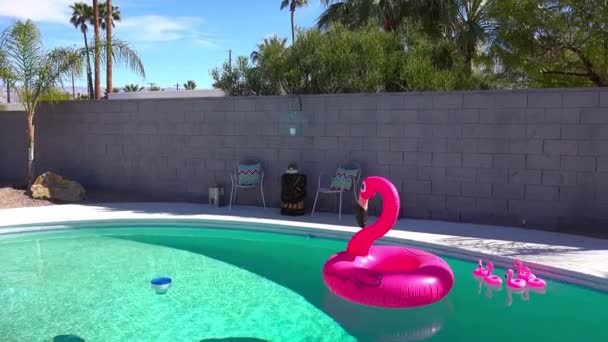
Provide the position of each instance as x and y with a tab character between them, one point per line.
5	75
122	54
471	27
34	72
108	14
76	69
268	42
387	14
81	13
132	88
96	26
115	15
255	55
190	85
293	4
108	45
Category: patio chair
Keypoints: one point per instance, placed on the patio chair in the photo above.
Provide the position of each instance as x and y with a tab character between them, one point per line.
247	175
346	179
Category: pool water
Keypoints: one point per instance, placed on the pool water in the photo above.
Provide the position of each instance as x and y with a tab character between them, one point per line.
228	285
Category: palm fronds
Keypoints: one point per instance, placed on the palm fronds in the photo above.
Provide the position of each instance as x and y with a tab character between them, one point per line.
123	54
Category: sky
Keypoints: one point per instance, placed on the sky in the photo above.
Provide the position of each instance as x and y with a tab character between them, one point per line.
177	40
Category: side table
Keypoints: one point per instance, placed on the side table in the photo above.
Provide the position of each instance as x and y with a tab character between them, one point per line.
293	193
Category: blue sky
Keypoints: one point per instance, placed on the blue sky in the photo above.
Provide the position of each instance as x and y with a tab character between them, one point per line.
177	40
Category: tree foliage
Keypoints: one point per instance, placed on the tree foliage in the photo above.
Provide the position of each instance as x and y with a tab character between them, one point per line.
54	94
293	5
81	14
240	79
35	72
131	88
435	64
190	85
386	14
123	54
559	43
514	43
342	60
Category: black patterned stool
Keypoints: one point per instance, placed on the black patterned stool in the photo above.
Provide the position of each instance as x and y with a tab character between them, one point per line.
293	193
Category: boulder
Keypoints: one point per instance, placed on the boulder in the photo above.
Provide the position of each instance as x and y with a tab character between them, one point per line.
54	187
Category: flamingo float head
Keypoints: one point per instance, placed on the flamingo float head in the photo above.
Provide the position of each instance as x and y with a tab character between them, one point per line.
361	215
369	188
364	196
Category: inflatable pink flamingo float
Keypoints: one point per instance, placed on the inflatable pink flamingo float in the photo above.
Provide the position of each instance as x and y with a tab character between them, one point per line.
386	276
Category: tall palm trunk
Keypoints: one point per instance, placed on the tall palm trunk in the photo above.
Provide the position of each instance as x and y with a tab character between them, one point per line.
89	78
293	34
97	50
109	46
468	56
30	159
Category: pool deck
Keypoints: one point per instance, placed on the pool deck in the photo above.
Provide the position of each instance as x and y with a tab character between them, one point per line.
576	259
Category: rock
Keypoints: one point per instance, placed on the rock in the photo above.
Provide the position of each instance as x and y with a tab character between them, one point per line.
54	187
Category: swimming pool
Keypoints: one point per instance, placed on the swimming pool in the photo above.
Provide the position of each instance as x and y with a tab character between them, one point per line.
94	284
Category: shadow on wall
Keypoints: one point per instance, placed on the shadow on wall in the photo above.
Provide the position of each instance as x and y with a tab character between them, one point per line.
68	338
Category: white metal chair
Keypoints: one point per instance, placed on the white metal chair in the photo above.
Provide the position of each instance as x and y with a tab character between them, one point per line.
247	175
339	184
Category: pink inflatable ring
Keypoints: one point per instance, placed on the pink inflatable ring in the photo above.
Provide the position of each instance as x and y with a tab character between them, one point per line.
386	276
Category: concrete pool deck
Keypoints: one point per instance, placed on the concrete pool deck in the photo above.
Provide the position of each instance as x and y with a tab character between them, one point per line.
572	258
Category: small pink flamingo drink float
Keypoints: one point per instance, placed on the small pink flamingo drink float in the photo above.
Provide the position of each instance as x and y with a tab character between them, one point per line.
513	283
526	274
385	276
490	278
480	271
521	271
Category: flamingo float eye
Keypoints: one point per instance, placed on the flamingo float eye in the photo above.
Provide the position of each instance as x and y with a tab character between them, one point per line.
363	187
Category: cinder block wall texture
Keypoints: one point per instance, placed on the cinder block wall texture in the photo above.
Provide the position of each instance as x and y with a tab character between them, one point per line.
535	157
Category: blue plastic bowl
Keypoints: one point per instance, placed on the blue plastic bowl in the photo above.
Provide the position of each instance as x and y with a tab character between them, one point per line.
161	284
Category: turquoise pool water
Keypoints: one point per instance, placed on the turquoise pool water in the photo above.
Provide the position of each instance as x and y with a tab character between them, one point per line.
93	285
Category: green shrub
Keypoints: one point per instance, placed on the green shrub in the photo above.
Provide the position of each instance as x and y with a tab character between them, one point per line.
55	95
339	60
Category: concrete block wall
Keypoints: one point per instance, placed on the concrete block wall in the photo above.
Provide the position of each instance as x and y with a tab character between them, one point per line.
13	148
533	157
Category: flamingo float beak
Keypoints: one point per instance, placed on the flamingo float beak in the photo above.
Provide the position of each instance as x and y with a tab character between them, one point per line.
362	212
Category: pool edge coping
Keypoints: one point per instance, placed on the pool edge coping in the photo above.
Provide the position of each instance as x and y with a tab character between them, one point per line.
312	230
